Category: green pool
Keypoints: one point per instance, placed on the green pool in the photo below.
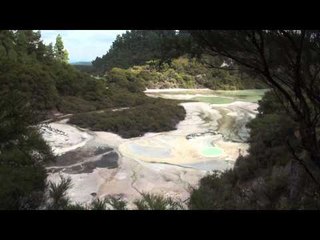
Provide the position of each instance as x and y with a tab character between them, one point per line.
211	151
214	100
224	97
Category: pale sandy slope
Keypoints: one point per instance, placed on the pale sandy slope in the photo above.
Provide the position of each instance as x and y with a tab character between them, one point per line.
63	138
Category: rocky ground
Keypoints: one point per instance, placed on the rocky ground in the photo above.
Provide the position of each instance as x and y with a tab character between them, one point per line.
99	169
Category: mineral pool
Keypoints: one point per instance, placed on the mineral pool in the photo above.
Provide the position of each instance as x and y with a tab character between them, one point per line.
211	151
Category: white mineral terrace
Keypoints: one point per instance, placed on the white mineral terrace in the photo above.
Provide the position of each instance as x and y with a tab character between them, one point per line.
211	137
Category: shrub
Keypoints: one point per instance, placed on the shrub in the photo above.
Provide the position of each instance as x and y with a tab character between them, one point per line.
158	115
157	202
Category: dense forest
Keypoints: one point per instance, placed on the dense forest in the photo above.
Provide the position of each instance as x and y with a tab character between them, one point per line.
282	168
157	58
136	47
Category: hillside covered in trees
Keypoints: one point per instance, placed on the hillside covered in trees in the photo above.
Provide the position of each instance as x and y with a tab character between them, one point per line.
185	72
136	47
154	57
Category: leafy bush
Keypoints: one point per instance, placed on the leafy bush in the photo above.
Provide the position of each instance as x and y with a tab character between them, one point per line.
217	191
158	115
157	202
23	154
58	194
183	72
116	203
70	104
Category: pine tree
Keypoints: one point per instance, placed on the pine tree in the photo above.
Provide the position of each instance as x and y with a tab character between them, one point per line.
60	53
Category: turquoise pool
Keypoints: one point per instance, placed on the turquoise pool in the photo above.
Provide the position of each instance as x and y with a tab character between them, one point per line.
211	151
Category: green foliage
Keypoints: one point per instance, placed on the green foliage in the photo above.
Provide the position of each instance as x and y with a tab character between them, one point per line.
71	104
32	81
58	194
157	202
116	203
136	47
217	191
125	79
38	74
60	53
98	204
85	68
159	115
23	154
152	56
21	187
108	203
182	72
74	206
